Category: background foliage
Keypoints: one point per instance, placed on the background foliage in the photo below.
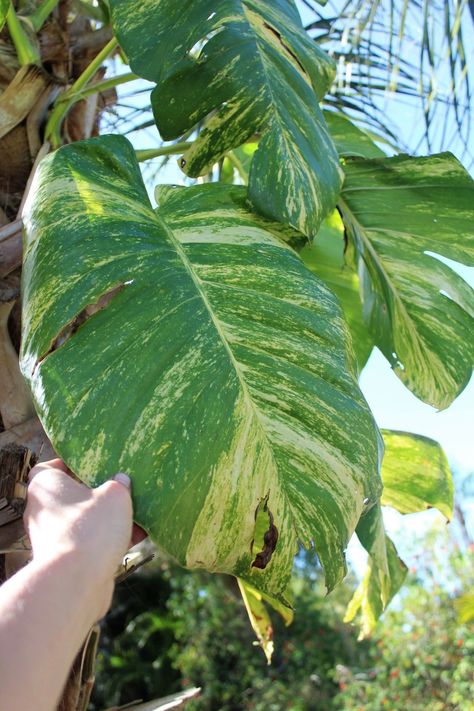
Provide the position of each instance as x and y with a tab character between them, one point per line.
170	629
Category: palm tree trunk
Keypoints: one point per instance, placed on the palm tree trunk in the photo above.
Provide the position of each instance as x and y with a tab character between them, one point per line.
27	94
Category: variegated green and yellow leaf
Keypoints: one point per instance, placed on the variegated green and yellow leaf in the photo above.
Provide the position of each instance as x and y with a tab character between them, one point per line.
325	255
192	349
325	258
404	215
416	474
384	575
244	67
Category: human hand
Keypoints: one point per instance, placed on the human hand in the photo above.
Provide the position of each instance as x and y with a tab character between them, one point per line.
90	527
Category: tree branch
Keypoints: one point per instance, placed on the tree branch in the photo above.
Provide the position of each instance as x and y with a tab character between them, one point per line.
61	108
16	405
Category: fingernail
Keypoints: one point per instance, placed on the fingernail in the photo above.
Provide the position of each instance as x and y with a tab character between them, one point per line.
123	479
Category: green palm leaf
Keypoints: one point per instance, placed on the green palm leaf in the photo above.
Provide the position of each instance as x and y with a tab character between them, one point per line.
4	5
415	52
192	349
401	213
246	67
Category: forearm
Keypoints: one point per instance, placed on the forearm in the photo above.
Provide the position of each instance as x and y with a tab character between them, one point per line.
46	611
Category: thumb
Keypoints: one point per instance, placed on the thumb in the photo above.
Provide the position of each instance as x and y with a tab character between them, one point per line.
123	479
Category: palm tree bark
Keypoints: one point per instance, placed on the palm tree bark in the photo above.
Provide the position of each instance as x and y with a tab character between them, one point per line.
27	93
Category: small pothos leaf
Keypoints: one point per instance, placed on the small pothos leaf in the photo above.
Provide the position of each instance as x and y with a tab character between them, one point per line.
256	605
416	474
191	348
325	258
403	215
349	139
384	575
243	67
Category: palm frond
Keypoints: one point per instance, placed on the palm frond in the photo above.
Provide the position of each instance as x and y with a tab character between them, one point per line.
413	50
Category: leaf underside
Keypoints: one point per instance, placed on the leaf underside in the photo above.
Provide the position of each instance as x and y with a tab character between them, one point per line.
245	68
349	139
325	258
416	474
402	216
192	349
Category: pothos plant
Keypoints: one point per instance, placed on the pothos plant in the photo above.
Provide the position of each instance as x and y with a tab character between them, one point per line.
211	346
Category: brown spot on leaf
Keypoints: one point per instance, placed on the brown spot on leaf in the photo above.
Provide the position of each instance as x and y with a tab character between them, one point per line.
270	539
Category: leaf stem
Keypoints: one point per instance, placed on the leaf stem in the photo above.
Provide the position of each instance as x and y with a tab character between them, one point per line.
149	153
96	87
41	14
26	52
238	166
62	107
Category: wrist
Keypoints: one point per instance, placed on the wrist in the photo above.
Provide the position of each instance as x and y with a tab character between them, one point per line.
85	588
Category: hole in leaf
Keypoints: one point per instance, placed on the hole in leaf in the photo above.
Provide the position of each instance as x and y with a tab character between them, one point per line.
198	47
87	312
265	536
284	45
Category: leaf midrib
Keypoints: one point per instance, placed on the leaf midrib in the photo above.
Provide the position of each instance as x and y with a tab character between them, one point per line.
245	388
368	245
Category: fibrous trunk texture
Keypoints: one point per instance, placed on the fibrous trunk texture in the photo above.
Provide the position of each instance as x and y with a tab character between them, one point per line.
67	43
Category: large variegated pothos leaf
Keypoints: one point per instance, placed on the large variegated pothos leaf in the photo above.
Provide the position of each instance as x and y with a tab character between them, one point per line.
416	474
401	215
244	67
325	258
192	349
